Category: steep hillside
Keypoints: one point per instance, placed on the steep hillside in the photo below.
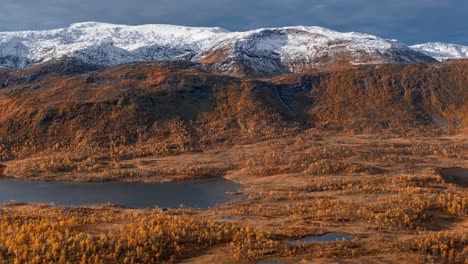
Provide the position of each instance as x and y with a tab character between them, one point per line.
176	107
260	52
172	108
380	96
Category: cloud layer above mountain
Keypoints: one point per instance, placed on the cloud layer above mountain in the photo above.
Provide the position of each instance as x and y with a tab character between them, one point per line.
413	21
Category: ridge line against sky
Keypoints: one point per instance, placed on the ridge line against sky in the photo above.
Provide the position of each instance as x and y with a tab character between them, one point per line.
409	21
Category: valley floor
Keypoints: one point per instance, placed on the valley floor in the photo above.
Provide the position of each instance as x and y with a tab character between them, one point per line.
382	189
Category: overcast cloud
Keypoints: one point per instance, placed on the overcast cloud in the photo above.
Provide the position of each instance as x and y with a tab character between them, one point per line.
410	21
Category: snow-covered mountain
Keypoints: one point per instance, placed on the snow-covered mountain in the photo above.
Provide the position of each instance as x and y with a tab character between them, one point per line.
442	51
105	44
266	51
296	49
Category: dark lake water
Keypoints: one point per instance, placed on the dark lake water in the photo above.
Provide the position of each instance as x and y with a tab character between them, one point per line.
329	237
197	193
456	175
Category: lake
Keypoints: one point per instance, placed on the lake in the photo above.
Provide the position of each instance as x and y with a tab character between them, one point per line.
329	237
195	193
455	175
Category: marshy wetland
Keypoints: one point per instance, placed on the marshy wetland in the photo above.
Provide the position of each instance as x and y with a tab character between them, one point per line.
383	191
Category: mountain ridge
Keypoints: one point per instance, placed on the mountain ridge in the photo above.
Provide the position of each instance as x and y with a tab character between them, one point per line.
442	51
262	52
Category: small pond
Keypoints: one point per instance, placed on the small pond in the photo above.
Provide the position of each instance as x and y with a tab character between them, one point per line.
228	217
458	176
196	193
329	237
269	262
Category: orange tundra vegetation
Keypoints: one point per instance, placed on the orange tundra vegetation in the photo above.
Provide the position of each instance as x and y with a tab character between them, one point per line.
155	108
351	149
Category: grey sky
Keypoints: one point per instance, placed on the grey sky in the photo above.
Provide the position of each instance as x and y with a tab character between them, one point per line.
410	21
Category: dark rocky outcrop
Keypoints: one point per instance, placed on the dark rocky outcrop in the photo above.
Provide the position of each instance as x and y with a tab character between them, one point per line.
2	169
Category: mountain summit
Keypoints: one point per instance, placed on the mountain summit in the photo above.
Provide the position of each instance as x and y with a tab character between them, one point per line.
266	51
